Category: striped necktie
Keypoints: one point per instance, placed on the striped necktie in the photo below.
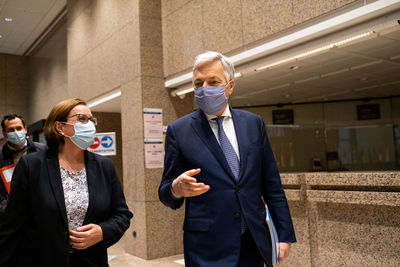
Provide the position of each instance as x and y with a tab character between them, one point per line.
227	148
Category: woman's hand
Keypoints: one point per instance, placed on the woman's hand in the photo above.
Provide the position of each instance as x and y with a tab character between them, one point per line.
86	236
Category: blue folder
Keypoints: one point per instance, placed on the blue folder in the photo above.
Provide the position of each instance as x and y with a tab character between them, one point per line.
274	237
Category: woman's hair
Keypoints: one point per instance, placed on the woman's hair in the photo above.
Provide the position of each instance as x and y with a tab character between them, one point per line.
59	113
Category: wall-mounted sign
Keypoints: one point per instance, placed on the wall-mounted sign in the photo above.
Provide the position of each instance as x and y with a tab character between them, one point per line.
282	116
104	144
368	112
153	138
152	118
154	153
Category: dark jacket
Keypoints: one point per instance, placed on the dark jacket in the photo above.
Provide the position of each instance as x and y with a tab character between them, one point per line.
212	227
6	158
35	226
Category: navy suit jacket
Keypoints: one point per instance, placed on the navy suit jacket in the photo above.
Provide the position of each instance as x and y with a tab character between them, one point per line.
34	231
212	232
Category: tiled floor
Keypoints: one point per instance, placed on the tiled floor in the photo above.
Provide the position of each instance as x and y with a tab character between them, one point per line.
118	258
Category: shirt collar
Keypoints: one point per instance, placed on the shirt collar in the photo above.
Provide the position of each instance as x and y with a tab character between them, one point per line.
226	113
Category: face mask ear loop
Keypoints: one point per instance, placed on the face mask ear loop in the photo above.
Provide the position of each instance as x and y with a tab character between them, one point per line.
63	134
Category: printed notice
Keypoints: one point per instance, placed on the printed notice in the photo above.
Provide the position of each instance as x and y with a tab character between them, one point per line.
153	127
154	153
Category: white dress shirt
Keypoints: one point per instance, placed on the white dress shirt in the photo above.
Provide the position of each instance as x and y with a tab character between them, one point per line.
228	126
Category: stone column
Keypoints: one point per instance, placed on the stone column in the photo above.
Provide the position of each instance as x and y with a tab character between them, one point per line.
156	231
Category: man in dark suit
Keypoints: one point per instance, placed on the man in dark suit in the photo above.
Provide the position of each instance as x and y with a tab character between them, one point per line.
219	160
14	130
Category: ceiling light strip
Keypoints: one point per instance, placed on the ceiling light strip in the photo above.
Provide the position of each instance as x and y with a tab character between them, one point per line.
317	50
324	27
104	98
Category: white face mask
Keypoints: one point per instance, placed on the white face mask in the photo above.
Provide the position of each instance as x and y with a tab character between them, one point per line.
84	134
16	138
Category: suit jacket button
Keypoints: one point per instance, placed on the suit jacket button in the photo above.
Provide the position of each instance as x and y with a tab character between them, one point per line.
237	214
237	189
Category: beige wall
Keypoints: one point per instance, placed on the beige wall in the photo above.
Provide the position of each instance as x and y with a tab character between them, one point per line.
47	67
14	91
194	26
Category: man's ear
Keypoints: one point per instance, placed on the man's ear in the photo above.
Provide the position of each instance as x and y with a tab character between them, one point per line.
231	86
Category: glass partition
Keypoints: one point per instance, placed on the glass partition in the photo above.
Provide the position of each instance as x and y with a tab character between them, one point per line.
303	148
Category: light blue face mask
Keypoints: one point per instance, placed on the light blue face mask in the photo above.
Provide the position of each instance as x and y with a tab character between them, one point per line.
16	138
211	99
84	134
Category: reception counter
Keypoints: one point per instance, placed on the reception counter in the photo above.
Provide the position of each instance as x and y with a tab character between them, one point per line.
344	218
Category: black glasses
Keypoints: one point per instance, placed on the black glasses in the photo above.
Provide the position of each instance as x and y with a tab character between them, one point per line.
82	118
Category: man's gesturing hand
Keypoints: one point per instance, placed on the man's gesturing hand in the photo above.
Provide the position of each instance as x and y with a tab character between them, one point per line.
187	186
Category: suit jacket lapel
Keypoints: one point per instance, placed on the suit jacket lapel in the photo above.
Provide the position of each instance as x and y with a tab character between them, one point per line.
240	128
91	174
56	184
202	127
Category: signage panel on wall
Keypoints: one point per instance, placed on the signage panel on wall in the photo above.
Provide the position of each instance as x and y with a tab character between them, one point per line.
368	112
152	118
153	138
282	116
154	153
104	144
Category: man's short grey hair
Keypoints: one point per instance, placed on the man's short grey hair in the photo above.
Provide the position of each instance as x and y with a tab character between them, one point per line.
229	69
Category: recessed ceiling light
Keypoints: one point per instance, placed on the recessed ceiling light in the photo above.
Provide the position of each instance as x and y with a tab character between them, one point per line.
1	36
8	19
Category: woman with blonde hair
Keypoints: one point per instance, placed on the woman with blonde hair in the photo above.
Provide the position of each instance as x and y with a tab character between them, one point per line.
66	204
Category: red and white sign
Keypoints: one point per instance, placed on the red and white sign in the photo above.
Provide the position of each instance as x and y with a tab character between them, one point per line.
96	143
104	144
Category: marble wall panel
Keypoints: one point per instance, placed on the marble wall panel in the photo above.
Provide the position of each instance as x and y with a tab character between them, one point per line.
132	136
222	25
135	237
182	37
15	67
14	91
168	7
300	251
264	18
159	225
304	10
47	67
357	235
112	63
192	27
96	23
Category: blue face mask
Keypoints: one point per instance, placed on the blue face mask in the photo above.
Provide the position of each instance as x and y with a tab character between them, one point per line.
84	134
16	138
211	99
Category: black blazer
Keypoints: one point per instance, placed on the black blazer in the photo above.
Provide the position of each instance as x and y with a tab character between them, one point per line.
6	158
34	231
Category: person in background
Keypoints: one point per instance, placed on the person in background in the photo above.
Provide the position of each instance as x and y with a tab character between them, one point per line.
16	146
220	162
66	205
